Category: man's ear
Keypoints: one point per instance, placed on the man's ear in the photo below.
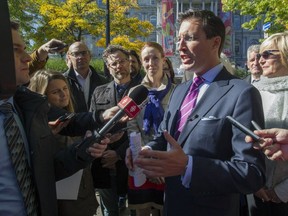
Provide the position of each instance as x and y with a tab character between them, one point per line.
217	42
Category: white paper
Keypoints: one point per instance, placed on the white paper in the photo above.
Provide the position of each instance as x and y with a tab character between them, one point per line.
135	146
68	188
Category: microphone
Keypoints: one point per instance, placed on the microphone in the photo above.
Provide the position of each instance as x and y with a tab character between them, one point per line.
130	105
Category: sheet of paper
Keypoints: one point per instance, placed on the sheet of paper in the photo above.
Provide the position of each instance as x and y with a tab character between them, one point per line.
135	146
68	188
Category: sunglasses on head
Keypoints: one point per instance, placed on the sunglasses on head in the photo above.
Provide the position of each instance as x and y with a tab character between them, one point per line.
266	54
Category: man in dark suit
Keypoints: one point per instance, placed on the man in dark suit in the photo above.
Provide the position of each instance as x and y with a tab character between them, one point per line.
207	163
253	64
82	77
46	164
110	173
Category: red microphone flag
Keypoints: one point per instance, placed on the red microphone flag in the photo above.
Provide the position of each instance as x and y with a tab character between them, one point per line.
129	106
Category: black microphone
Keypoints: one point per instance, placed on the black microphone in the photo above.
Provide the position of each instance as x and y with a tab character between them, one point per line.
129	105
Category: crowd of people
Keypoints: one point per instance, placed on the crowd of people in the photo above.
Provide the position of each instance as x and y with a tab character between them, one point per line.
194	161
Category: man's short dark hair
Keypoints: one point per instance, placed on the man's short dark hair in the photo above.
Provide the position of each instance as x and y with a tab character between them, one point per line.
112	49
134	53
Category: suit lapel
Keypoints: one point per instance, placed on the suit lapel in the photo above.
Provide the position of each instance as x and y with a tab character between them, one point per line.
178	101
218	88
110	92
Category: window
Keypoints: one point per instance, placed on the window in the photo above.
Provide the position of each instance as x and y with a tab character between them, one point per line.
237	22
100	2
237	47
153	20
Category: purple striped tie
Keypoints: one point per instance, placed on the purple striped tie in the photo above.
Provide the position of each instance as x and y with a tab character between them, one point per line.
188	104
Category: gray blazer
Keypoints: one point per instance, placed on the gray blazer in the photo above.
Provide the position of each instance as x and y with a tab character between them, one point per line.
223	164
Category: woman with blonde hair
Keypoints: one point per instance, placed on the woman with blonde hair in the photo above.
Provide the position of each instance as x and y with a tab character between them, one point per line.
273	87
54	85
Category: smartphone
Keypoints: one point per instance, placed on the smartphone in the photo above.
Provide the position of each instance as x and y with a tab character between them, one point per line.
59	47
65	117
243	128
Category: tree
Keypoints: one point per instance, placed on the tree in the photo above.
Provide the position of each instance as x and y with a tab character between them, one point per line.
274	11
70	20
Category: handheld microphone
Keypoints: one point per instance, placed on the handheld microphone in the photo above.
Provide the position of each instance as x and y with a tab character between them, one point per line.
129	105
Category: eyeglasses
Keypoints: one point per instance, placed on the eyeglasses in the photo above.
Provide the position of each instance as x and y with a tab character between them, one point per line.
80	53
186	38
266	54
114	64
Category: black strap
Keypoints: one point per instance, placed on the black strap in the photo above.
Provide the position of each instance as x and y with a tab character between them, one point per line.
7	68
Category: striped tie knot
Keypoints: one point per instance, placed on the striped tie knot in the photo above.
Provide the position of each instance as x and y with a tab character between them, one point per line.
188	104
198	80
6	108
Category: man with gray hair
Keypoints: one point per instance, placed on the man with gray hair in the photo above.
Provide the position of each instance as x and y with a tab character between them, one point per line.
253	64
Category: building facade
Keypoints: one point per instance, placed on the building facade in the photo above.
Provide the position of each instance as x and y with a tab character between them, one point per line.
163	14
237	39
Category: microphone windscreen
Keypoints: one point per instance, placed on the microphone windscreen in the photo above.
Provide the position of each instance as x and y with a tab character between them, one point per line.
139	94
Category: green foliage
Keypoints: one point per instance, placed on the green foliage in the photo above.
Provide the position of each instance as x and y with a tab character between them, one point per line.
274	11
98	64
71	20
56	64
59	64
240	72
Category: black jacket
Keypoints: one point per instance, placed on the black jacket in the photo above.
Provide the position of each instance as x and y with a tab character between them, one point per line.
48	164
105	97
76	89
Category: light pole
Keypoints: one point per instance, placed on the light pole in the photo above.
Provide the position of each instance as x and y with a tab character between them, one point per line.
106	72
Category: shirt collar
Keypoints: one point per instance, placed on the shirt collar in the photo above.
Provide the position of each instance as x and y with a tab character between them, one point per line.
78	75
210	75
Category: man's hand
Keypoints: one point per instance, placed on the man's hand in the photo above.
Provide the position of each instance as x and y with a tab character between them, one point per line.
110	113
273	196
129	158
262	194
115	136
274	143
163	163
56	127
109	159
267	195
50	47
96	150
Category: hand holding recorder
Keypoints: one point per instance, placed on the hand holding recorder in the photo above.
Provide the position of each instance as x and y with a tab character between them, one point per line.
244	129
273	142
51	46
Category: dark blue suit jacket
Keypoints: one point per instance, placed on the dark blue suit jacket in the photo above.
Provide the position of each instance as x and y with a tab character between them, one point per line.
223	164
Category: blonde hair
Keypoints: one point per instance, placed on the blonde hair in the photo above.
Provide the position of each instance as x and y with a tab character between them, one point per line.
40	81
280	41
